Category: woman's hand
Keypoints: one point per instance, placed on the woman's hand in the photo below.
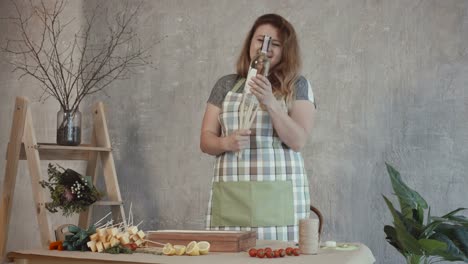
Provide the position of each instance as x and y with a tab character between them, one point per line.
260	86
238	140
211	141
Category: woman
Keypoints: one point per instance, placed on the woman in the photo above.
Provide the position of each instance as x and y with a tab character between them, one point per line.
266	188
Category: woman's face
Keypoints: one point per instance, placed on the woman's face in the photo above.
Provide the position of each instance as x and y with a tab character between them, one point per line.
276	47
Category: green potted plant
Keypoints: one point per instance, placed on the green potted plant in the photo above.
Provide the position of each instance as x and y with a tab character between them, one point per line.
424	241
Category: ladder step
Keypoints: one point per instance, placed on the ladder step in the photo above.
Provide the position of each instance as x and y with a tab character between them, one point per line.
108	203
80	147
48	151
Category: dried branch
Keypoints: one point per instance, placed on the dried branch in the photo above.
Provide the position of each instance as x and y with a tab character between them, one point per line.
71	69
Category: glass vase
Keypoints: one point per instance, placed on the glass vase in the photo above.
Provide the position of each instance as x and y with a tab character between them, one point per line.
68	127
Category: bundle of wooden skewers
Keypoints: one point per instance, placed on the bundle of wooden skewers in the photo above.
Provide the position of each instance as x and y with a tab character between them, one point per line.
248	109
109	234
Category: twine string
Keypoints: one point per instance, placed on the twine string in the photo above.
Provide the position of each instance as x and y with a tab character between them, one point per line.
308	236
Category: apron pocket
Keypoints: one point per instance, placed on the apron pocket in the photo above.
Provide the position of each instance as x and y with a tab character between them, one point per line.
231	204
252	204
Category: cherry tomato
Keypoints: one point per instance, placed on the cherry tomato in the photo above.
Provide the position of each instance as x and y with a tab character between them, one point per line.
277	253
253	252
289	251
131	246
282	253
260	253
296	252
269	254
267	249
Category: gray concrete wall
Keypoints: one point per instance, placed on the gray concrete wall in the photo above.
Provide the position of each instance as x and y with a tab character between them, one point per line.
390	79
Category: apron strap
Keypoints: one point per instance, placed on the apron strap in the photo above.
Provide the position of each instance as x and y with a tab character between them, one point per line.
238	84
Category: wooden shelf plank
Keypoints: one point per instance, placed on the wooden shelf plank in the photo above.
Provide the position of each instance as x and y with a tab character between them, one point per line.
80	147
54	152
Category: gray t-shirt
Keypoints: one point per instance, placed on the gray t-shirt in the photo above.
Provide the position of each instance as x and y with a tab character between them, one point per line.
226	83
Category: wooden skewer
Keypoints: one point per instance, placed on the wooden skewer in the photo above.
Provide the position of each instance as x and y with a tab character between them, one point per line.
99	222
247	116
154	242
139	223
252	118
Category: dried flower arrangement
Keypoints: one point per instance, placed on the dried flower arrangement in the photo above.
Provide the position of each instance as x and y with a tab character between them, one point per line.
70	191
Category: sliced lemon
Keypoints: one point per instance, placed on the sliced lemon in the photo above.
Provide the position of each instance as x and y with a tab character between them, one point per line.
179	250
168	250
203	247
192	249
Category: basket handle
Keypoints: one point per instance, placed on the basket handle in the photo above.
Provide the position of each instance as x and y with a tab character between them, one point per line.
320	217
60	233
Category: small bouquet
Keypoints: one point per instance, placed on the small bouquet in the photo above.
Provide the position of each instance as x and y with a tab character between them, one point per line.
70	191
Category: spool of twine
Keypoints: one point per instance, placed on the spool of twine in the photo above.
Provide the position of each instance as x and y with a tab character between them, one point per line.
308	236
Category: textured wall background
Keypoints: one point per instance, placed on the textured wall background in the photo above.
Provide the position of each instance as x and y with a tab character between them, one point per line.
390	79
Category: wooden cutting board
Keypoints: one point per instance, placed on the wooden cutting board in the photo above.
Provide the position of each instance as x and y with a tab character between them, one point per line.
221	241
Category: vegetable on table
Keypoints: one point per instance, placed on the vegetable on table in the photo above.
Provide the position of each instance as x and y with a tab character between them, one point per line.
56	245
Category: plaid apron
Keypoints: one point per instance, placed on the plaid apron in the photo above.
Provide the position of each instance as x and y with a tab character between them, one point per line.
267	159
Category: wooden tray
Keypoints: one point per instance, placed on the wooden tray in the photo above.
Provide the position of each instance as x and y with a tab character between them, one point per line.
221	241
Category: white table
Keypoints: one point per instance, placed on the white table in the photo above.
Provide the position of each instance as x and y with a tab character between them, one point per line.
362	255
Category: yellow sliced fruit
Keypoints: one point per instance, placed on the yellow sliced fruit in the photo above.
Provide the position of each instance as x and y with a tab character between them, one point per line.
179	250
192	249
203	247
168	249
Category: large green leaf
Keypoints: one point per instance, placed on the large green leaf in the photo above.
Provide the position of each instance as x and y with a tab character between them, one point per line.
408	198
454	212
453	252
455	220
429	229
415	228
408	242
461	234
429	215
455	233
418	215
392	238
432	247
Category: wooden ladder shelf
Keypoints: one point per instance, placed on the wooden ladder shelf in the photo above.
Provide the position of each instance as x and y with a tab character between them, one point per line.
23	146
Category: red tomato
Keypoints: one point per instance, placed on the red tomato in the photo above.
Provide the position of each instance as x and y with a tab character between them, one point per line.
296	252
269	254
282	253
277	253
267	249
132	246
253	252
289	251
260	253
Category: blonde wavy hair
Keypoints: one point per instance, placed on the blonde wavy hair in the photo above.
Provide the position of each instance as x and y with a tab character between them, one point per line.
284	75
